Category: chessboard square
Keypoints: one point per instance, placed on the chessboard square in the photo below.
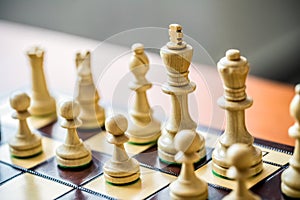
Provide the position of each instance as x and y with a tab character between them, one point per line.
33	187
99	143
49	147
55	131
150	182
206	174
75	176
79	194
275	156
7	172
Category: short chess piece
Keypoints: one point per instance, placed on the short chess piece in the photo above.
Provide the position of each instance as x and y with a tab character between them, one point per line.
290	184
92	114
240	159
73	153
43	105
120	169
233	70
188	185
25	143
177	56
143	127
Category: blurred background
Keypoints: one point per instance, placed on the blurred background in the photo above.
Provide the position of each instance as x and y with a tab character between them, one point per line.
267	32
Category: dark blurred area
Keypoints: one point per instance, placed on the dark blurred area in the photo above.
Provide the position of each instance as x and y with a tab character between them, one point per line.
267	32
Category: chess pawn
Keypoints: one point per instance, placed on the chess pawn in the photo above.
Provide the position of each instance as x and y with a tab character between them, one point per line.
43	105
92	114
233	70
120	169
290	185
188	185
240	159
143	127
177	56
73	153
25	143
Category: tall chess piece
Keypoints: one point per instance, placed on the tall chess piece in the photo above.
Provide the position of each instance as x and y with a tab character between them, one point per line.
73	153
188	185
233	70
120	169
290	184
239	157
177	57
143	127
25	143
43	105
92	114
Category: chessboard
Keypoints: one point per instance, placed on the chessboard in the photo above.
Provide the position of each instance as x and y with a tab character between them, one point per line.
40	178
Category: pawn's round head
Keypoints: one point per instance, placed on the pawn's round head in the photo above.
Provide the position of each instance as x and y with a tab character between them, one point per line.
187	141
20	101
233	54
239	155
69	110
116	125
137	48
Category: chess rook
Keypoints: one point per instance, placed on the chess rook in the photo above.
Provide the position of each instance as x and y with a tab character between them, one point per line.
240	159
73	153
24	143
233	70
176	56
92	114
43	105
188	185
290	185
143	127
120	169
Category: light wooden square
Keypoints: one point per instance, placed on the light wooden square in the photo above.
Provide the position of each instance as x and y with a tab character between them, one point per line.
49	148
150	182
205	173
32	187
99	143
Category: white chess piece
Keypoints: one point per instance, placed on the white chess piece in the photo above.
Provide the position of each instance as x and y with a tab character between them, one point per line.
120	169
188	185
290	178
73	153
143	127
24	143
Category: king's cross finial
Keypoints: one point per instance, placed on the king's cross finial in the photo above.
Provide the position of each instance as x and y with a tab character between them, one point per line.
176	35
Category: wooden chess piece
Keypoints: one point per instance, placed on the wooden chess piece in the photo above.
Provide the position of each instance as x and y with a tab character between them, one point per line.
233	70
120	169
240	158
73	153
92	114
43	105
177	56
290	185
188	185
24	143
143	127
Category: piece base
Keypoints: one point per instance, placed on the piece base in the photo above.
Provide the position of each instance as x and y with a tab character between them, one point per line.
170	158
123	180
76	167
179	197
73	163
222	171
26	153
289	192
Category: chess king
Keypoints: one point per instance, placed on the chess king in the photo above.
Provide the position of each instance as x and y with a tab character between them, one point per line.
177	56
